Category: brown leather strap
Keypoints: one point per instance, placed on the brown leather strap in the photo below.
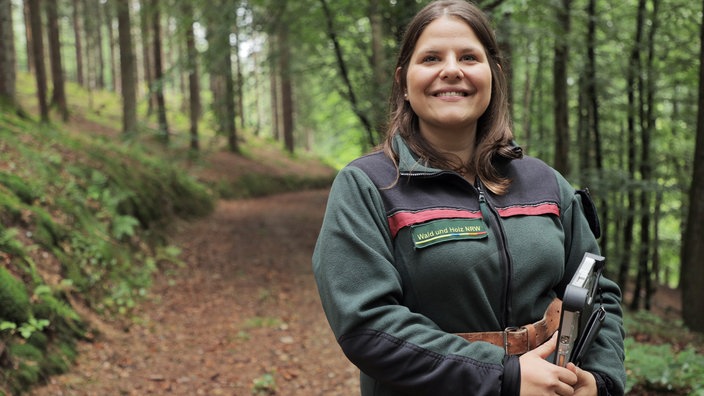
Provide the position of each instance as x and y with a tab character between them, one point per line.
519	340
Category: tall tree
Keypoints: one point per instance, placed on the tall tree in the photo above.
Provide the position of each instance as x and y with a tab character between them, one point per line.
692	270
192	68
633	81
560	94
147	52
78	40
8	73
28	35
159	73
592	114
58	96
379	68
128	68
35	20
633	70
108	9
219	59
350	92
286	86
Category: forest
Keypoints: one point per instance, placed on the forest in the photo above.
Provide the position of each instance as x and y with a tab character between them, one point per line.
611	94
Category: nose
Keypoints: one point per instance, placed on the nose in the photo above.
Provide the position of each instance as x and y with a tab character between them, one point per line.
451	69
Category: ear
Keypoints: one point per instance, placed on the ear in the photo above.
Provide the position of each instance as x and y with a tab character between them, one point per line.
397	76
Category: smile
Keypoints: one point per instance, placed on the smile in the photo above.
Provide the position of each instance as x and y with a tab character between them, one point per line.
453	93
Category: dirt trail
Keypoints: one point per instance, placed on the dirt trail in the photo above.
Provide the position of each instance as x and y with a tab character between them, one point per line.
243	315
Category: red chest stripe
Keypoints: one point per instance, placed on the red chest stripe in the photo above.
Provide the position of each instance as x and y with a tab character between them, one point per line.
532	210
405	219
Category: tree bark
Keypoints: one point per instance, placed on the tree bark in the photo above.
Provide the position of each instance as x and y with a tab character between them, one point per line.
561	104
8	72
147	52
286	87
193	83
58	96
35	20
128	68
159	73
692	270
78	42
634	88
108	8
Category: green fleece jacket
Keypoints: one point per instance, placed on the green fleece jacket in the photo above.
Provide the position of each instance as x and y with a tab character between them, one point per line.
407	257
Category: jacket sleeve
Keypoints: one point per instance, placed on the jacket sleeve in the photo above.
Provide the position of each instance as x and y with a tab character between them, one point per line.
605	358
361	290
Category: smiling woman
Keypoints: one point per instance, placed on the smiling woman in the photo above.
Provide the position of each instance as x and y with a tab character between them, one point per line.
435	235
449	86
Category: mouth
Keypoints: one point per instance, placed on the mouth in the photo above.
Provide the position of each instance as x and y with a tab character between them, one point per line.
450	94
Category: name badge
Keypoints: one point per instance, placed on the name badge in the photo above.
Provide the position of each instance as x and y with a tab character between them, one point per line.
444	230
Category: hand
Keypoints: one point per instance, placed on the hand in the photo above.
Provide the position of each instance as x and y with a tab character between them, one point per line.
540	377
586	383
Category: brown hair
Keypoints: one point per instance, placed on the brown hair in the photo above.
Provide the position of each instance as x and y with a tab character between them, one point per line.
494	136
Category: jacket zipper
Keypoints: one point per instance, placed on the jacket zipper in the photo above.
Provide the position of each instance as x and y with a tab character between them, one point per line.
503	253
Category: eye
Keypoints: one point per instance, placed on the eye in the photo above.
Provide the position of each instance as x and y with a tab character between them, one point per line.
469	58
430	58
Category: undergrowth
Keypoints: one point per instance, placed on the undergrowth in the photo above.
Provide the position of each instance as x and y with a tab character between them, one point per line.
82	220
662	357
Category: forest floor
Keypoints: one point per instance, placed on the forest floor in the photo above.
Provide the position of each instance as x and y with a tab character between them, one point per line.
241	317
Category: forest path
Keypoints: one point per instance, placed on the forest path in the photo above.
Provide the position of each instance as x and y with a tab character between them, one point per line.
243	317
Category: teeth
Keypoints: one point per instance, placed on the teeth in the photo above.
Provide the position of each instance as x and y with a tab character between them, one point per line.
451	94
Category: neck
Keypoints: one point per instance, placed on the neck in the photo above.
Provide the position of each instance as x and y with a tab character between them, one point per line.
457	146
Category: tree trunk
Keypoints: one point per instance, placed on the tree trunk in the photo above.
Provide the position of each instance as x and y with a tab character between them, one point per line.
561	104
78	42
634	69
692	270
108	8
379	69
35	19
221	82
286	87
240	78
8	73
128	68
159	73
58	97
28	35
636	85
193	83
147	52
274	88
592	103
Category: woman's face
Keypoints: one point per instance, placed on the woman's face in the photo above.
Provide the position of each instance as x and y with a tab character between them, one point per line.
449	78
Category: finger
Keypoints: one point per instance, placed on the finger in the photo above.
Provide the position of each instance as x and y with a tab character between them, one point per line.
569	377
547	347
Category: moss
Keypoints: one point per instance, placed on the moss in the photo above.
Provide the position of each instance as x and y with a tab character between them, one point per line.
39	340
24	191
14	300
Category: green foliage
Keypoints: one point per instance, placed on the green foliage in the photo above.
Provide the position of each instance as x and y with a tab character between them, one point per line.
14	300
264	385
661	368
94	212
662	356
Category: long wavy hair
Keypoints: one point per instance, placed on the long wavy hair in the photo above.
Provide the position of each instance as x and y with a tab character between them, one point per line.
494	135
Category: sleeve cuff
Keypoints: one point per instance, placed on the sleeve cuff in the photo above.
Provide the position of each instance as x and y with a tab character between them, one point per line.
511	381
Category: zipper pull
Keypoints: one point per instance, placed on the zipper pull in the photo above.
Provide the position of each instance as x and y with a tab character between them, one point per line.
478	186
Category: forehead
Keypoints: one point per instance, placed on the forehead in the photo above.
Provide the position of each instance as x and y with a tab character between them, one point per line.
446	31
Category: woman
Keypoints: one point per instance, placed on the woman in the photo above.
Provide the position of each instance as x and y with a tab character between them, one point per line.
449	229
